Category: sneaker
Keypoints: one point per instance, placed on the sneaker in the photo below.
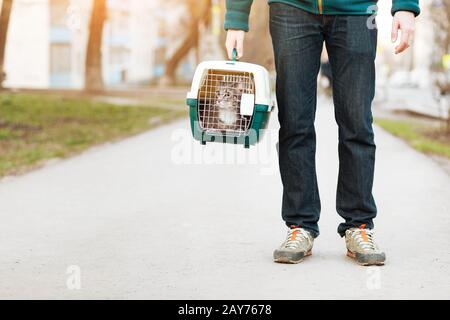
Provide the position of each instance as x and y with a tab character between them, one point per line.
362	247
297	246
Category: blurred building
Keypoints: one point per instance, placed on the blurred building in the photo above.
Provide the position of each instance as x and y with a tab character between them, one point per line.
407	81
47	42
419	57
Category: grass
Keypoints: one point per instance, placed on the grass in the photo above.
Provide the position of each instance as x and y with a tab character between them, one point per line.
424	138
35	128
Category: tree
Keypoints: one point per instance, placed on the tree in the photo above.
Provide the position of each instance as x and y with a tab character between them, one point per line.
200	13
5	14
93	73
440	10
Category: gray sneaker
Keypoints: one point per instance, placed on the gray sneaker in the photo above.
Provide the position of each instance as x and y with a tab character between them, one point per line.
296	247
362	247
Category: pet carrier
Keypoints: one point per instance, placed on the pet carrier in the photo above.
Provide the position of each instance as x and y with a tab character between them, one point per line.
230	102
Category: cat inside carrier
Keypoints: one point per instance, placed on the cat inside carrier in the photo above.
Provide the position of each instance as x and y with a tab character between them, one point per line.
230	102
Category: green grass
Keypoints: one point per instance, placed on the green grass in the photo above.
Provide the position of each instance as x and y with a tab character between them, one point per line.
38	128
424	138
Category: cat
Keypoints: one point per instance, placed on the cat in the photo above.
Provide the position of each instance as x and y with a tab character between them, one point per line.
227	104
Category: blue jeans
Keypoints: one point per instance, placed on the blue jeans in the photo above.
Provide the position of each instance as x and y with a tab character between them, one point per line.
298	38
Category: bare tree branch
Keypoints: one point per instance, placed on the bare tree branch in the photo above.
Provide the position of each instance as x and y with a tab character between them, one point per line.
200	11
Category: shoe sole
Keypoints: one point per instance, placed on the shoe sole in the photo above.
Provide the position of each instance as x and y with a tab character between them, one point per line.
366	263
285	259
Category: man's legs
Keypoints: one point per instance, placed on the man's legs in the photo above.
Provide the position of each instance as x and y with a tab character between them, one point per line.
352	49
298	40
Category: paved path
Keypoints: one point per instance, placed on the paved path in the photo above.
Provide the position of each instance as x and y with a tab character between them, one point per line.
138	224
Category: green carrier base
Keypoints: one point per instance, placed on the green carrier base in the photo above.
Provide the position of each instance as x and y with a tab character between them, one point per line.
260	120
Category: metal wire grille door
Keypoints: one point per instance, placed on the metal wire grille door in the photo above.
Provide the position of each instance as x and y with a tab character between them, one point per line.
219	103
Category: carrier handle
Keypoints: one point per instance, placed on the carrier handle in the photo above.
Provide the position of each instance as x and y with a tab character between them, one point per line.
234	56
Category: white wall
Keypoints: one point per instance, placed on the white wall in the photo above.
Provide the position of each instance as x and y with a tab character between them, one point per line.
143	35
27	49
79	17
424	36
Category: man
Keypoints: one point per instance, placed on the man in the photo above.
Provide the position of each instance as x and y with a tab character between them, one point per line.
298	29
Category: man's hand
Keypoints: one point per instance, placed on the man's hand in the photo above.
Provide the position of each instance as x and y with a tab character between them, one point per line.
235	39
404	21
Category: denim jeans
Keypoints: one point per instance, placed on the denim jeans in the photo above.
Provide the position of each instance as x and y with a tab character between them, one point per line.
298	38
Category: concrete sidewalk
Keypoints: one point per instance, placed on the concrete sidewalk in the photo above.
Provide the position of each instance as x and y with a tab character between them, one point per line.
138	223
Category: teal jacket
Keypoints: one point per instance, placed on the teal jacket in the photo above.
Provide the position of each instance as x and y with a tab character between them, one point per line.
238	10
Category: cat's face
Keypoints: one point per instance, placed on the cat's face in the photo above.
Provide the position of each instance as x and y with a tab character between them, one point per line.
229	94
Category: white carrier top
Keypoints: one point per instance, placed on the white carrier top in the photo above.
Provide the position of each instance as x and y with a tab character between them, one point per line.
263	92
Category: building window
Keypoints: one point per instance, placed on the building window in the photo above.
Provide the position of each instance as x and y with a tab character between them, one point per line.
60	65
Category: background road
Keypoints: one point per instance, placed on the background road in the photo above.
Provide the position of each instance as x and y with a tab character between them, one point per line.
140	224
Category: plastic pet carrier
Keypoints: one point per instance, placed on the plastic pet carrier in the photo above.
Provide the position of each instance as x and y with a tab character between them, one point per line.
230	102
